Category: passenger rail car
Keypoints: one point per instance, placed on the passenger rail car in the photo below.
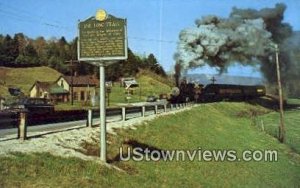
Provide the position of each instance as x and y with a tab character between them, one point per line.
216	92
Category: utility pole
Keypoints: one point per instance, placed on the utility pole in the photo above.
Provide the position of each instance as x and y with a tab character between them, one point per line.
281	126
72	72
140	92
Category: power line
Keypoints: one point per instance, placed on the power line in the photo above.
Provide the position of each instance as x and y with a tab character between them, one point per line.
25	12
14	13
151	40
32	20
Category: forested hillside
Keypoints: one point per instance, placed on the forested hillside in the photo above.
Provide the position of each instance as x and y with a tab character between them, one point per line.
22	51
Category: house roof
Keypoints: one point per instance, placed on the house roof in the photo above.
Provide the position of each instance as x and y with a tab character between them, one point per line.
82	80
131	83
50	87
42	85
56	89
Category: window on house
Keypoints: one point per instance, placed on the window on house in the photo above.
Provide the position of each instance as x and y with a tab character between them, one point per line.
82	96
75	96
88	95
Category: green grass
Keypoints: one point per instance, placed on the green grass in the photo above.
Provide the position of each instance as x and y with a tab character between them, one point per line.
24	78
292	126
150	84
294	101
209	126
76	106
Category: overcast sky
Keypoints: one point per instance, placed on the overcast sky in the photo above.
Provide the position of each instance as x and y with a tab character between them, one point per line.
153	25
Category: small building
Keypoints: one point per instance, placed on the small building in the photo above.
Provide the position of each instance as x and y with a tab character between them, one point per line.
49	90
129	82
82	87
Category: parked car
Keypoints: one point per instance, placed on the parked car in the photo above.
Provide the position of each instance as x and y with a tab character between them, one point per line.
151	98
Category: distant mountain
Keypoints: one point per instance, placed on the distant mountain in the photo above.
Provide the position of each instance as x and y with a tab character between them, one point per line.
224	79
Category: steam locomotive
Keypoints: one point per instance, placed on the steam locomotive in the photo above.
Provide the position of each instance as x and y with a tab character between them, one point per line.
215	92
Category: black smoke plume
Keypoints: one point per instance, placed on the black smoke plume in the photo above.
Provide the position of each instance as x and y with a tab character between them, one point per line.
247	36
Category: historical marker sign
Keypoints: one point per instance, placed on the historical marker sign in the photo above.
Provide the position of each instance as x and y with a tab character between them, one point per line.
102	39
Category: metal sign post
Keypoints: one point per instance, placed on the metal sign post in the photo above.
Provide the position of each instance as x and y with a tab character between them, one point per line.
102	112
102	41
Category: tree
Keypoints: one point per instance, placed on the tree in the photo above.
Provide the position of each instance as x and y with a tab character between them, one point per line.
63	48
58	64
153	65
22	42
54	53
40	46
73	49
31	54
9	50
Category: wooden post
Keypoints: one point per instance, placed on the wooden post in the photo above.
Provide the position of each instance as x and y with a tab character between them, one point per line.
143	111
123	113
165	108
90	118
262	125
22	129
155	109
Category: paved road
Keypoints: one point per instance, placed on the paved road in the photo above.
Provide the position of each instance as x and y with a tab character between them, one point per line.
81	123
55	126
47	127
160	102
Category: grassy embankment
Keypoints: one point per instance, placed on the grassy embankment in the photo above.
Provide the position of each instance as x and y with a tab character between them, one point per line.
271	121
209	126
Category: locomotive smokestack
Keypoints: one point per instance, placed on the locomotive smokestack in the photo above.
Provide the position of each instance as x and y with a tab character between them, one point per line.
177	74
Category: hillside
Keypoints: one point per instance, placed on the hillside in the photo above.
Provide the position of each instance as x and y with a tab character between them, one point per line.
153	84
24	77
150	84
